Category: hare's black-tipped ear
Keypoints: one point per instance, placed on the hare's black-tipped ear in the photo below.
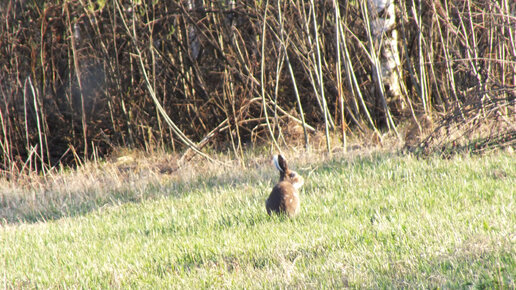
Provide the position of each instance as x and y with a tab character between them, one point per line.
276	163
282	162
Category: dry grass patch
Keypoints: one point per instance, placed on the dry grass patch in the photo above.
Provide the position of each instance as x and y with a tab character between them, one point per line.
126	176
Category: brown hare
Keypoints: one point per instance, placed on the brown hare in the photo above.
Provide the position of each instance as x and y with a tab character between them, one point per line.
284	197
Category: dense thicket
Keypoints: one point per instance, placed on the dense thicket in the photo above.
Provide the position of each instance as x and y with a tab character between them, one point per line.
78	78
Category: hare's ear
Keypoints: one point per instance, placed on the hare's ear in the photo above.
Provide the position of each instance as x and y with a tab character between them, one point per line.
280	162
276	163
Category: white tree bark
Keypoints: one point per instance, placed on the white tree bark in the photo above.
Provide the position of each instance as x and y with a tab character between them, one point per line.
385	36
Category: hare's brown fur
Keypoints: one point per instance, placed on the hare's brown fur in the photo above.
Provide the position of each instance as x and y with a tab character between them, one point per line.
284	197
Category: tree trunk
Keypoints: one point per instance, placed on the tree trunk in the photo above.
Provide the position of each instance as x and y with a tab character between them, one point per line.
385	36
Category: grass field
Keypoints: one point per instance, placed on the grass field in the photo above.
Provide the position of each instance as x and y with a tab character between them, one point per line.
380	220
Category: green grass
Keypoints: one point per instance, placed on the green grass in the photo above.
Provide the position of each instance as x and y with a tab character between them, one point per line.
377	221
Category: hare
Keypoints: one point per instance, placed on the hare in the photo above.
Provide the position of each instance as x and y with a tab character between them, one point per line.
284	197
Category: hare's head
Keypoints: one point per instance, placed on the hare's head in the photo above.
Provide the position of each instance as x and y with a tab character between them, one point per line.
286	174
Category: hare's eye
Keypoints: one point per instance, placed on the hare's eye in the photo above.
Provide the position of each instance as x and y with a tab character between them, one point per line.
292	175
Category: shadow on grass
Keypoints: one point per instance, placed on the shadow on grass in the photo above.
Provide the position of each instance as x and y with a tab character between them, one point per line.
48	205
53	205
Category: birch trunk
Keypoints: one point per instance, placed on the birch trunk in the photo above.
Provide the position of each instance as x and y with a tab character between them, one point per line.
383	29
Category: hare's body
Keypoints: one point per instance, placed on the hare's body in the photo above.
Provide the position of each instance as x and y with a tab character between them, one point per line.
284	197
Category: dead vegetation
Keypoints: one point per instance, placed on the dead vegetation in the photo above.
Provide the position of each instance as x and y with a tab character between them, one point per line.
477	128
80	79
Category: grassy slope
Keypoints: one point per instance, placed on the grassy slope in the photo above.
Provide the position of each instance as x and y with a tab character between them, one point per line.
371	221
